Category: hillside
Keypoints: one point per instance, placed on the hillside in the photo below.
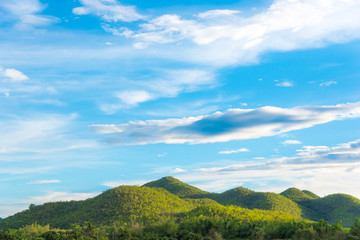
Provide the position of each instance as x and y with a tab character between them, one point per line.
258	200
176	187
124	203
311	194
333	208
304	203
297	195
169	198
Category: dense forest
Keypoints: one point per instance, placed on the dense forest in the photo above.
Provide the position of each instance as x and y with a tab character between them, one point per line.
170	209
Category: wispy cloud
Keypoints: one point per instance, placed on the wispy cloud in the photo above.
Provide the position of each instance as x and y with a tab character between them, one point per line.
168	84
329	83
178	170
225	37
234	151
125	182
291	142
108	10
61	196
285	83
321	169
44	181
26	13
234	124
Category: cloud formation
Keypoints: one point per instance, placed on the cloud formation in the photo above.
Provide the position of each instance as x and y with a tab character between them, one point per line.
44	181
234	124
26	13
167	84
291	142
225	37
234	151
13	75
108	10
321	169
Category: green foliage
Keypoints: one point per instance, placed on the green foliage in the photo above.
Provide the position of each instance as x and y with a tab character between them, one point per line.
296	195
310	194
176	187
333	208
258	200
125	203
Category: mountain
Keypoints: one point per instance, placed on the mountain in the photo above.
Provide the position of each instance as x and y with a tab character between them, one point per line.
124	203
169	198
304	203
297	195
258	200
311	194
332	208
176	187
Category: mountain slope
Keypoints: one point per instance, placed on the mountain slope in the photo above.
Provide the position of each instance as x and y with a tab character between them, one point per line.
296	195
258	200
176	187
333	208
124	203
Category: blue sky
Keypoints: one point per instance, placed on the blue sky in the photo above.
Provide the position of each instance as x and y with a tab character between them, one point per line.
100	93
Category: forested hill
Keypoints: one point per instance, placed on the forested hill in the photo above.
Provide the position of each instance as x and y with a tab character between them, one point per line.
176	187
169	198
304	203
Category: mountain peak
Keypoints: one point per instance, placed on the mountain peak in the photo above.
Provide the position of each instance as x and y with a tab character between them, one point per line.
175	186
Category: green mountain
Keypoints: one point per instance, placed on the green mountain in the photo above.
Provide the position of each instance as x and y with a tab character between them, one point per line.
176	187
258	200
293	201
297	195
311	194
169	198
332	208
124	204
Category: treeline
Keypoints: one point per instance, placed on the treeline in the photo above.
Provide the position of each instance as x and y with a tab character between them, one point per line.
194	228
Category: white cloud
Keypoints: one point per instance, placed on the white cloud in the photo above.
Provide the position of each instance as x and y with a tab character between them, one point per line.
108	10
61	196
321	169
125	182
32	134
234	151
218	13
168	84
12	75
329	83
26	12
284	84
44	181
162	155
178	170
235	39
291	142
234	124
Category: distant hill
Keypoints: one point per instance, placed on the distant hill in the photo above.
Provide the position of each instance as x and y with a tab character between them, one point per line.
124	203
311	194
297	195
176	187
304	203
258	200
169	198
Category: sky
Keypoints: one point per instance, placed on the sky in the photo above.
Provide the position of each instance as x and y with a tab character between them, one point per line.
100	93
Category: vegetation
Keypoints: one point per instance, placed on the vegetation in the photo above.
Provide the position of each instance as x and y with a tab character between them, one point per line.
297	195
176	187
197	227
170	209
124	204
